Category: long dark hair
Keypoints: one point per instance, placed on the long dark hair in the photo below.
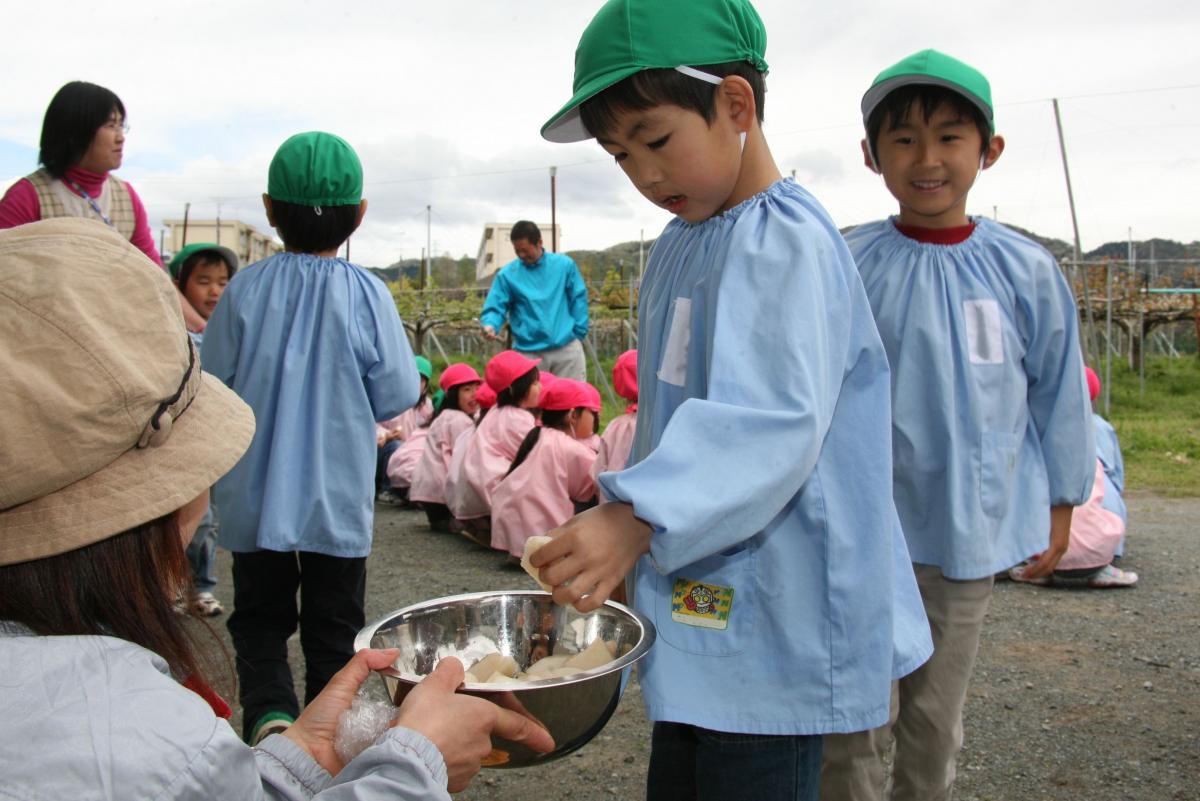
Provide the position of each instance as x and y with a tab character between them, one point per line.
75	113
450	401
550	419
122	586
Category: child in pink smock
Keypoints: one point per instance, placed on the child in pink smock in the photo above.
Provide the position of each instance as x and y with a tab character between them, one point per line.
489	452
392	435
617	440
1097	531
455	416
552	469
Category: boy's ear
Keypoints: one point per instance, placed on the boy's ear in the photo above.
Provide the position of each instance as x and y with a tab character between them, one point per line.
268	209
362	210
994	149
868	159
737	98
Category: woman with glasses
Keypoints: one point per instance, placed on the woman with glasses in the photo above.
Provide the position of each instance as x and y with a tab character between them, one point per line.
83	141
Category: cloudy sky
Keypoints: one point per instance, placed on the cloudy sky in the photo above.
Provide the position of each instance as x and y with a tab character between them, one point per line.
443	102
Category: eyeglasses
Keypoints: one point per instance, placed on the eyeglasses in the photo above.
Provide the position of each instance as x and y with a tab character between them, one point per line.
117	125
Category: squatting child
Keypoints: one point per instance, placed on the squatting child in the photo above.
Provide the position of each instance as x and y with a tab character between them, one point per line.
757	508
201	271
991	438
315	346
617	440
454	417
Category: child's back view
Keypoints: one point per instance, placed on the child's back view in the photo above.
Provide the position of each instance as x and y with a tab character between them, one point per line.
990	435
316	348
756	511
617	441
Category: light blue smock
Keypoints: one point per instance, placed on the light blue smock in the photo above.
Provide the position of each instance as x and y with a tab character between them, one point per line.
762	462
990	411
1108	450
546	303
315	346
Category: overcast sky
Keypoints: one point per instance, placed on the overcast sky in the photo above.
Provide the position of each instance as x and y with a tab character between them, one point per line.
443	102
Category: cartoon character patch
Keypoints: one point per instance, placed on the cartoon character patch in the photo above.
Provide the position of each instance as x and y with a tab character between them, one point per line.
694	603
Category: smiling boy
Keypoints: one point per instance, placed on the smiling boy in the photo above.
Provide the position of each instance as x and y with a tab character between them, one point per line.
989	408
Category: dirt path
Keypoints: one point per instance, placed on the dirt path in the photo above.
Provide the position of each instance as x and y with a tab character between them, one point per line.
1077	694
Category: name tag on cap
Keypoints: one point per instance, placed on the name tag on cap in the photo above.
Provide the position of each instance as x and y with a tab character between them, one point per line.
695	603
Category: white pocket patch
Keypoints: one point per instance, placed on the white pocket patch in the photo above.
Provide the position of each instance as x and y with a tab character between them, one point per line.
673	368
984	342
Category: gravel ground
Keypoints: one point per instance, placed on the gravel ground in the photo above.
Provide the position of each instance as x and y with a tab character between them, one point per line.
1079	694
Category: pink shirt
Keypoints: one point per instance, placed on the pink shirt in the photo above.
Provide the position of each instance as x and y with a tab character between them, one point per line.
407	421
403	463
1095	531
540	494
486	458
615	445
429	479
20	205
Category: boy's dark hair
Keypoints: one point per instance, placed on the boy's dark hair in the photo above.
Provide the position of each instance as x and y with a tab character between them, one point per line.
895	108
75	113
515	392
198	258
303	229
657	87
526	230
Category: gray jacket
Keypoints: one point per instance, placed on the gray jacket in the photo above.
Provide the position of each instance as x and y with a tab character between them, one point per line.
85	717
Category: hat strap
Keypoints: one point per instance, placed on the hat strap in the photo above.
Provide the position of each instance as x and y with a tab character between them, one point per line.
707	77
155	431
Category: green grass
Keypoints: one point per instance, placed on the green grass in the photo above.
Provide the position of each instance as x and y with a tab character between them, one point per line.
1159	429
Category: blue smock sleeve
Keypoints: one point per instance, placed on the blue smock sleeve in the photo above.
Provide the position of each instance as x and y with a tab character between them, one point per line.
390	375
497	304
577	300
729	463
1058	399
223	336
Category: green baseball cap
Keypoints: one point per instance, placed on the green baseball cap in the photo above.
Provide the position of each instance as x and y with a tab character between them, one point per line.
185	253
931	68
629	36
424	368
315	169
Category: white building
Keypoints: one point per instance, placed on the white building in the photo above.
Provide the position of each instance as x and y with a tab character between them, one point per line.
245	240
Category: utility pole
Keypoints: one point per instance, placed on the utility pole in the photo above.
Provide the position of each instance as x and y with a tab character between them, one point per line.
218	222
553	211
186	207
428	247
1087	294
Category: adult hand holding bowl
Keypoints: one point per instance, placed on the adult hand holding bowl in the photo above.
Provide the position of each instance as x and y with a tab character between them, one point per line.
522	625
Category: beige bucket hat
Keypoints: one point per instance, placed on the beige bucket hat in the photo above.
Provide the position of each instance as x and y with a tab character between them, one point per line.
106	420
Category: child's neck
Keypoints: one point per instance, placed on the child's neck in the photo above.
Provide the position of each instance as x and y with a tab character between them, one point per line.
758	170
325	254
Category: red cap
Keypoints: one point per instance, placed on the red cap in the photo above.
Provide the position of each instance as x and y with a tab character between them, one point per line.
546	379
593	395
458	373
1093	382
566	394
506	367
625	375
485	396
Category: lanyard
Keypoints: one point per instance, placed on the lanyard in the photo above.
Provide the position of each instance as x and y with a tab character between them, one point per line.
95	206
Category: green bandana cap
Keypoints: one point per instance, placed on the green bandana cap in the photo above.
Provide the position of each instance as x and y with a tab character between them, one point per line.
931	68
629	36
185	253
424	368
315	169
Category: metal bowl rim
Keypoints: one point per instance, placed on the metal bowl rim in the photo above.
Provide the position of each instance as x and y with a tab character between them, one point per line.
363	641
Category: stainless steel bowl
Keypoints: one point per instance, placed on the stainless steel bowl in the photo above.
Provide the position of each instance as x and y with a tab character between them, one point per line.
523	625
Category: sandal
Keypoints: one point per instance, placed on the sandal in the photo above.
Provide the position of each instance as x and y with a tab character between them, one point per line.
1108	577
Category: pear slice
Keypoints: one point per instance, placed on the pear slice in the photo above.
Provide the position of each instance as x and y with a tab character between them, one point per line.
531	547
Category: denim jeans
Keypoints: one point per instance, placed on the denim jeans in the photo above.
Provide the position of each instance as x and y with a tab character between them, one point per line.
688	762
384	454
202	552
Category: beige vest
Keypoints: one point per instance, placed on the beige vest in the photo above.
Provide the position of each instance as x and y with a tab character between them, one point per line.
57	200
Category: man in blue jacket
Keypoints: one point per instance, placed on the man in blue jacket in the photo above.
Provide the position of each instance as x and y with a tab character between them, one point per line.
545	301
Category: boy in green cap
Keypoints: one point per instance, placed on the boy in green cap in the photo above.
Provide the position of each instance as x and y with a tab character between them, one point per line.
992	446
315	346
201	271
755	517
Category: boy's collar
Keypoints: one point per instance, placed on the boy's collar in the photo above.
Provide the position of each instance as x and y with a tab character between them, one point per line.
936	236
